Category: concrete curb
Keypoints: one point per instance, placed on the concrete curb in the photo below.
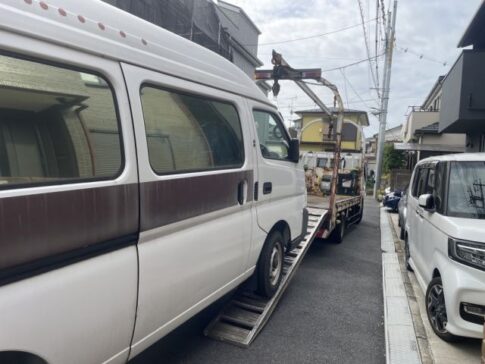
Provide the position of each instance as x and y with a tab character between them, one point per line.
401	342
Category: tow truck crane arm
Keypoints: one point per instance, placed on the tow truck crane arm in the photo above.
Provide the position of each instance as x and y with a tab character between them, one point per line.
283	71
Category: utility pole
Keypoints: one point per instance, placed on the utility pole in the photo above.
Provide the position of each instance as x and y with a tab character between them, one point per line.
390	33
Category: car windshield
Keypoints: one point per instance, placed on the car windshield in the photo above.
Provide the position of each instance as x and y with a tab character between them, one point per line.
467	189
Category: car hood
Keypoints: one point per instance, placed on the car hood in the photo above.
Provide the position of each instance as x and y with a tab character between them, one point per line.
465	229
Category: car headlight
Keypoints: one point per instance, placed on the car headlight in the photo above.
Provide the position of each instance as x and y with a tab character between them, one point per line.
467	252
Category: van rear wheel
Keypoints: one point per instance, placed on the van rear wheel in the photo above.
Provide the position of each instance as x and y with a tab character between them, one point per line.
270	265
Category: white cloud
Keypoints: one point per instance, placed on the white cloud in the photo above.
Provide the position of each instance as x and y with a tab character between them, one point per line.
431	28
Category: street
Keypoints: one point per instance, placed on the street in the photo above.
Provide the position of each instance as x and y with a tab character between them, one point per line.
331	312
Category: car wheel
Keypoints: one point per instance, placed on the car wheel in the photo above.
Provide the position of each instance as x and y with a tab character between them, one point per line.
401	233
270	265
407	253
436	309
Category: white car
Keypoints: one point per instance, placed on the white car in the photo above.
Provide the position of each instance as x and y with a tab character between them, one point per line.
445	241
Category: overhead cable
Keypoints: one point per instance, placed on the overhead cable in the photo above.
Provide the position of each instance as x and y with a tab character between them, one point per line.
311	36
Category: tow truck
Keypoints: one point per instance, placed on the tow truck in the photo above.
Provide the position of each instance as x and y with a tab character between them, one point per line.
335	200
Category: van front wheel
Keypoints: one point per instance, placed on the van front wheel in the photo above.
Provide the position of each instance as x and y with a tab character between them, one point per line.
270	265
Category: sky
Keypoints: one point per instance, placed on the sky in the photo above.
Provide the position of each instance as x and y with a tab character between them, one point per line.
427	34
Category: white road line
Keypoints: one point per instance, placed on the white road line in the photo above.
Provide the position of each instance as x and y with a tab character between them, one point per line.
401	342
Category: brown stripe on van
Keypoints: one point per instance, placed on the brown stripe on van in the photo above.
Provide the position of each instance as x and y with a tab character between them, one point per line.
33	227
169	201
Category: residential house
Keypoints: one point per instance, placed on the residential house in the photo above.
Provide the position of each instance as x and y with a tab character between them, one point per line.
221	27
243	36
463	100
421	135
317	130
391	136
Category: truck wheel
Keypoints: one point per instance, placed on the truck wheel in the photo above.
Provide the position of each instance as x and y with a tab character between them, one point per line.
361	213
339	231
270	265
436	309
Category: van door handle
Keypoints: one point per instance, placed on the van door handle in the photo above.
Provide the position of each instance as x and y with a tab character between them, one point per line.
267	188
240	192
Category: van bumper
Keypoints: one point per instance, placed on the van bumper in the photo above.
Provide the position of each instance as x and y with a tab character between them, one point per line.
293	244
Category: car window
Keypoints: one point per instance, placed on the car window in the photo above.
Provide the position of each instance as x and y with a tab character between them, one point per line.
466	191
420	184
57	125
273	140
187	133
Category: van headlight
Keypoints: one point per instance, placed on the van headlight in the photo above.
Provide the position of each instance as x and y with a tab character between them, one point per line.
467	252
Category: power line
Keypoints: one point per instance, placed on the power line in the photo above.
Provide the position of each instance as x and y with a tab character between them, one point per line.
420	55
310	36
367	48
353	63
355	92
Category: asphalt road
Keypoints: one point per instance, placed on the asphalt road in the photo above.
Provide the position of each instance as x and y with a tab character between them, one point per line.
332	312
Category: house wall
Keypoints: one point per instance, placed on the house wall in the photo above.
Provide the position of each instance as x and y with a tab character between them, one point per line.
444	139
418	120
312	136
239	27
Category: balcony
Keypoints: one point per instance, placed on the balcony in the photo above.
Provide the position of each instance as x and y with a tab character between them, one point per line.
463	98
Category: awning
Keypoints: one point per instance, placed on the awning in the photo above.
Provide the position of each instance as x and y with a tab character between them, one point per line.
429	147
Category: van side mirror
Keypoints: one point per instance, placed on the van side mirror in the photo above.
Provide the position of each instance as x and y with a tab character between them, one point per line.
426	201
294	150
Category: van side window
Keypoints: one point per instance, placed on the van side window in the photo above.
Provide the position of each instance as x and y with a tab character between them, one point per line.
272	136
56	125
187	133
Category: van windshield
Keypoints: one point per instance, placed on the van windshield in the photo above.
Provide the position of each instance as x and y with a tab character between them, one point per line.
466	190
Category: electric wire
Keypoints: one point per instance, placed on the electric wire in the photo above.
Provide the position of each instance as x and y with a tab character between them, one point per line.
311	36
367	48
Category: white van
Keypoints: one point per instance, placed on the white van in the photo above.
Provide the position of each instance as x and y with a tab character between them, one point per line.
445	241
142	177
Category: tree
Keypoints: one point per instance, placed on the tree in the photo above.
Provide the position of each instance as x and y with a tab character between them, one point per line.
392	159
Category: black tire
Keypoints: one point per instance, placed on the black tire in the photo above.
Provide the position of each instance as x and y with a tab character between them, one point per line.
401	233
270	265
407	254
339	232
436	309
361	213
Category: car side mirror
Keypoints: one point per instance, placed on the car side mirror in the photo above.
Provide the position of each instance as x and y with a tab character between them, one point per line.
294	150
426	201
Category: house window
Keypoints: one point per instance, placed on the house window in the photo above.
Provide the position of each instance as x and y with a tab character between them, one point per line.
349	132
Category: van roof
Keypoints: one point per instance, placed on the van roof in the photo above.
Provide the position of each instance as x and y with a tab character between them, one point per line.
99	28
460	157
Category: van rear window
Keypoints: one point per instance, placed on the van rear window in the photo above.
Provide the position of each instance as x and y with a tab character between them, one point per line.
187	133
56	125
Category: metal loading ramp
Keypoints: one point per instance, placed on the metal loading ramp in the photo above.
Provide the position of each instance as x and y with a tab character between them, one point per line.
245	315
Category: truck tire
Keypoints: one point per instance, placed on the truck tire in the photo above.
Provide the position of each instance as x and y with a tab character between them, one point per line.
270	265
339	232
361	213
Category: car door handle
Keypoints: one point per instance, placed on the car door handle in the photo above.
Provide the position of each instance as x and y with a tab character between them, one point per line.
267	188
240	192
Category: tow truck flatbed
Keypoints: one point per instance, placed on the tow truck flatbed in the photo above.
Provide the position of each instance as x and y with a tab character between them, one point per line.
342	202
245	315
